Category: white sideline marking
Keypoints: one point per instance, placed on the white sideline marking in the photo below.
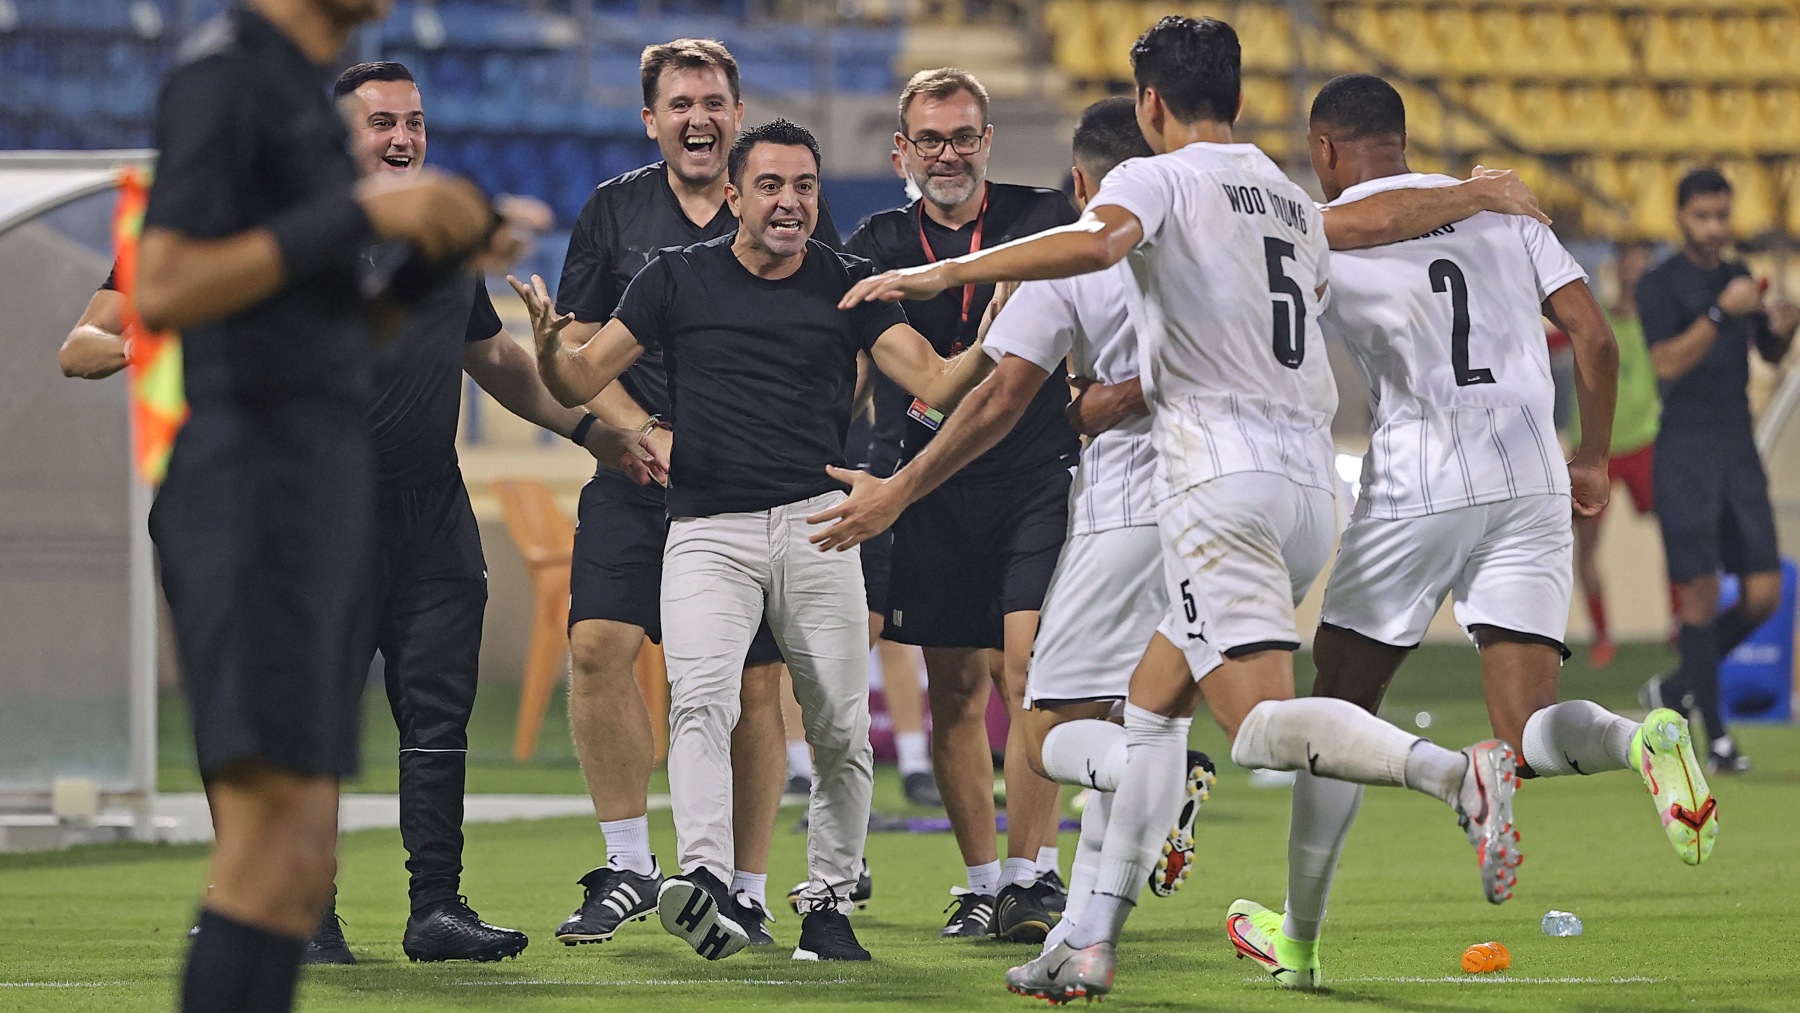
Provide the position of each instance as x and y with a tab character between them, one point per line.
1486	979
633	983
62	984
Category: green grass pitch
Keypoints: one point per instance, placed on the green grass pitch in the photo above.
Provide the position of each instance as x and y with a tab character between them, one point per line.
102	928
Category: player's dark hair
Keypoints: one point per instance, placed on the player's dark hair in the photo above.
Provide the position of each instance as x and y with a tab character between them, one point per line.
1700	183
779	131
1195	64
1352	106
691	54
1108	134
363	73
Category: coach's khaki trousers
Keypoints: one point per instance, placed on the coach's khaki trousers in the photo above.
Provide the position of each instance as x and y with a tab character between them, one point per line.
721	575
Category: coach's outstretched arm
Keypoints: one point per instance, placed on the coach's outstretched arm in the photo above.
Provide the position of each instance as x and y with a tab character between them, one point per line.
95	347
1574	309
1099	239
574	374
1393	216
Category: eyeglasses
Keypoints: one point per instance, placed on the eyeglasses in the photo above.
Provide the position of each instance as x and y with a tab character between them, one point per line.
931	146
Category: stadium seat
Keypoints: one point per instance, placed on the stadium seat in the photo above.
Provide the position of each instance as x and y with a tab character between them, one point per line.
1266	101
1755	190
1634	113
1789	179
1266	36
1681	47
1606	48
1075	33
545	537
1777	120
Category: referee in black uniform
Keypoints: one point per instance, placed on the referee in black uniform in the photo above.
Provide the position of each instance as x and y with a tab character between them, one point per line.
265	522
692	109
972	560
1702	315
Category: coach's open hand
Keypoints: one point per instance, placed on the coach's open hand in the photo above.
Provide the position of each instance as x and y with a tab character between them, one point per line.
642	459
546	326
922	282
1590	487
872	508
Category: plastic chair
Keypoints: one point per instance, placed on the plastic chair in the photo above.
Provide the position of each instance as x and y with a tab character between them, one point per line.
545	538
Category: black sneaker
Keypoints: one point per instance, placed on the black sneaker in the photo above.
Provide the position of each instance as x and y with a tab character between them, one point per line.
971	915
692	906
1022	914
825	934
453	931
327	945
798	788
609	898
1058	898
921	789
1729	762
752	917
859	894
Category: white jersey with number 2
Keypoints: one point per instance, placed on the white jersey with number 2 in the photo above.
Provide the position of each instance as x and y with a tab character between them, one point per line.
1230	276
1447	332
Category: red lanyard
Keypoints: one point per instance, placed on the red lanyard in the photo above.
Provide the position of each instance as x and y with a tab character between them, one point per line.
974	247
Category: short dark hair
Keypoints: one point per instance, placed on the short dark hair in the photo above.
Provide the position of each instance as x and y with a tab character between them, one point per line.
779	131
363	73
1359	105
691	54
941	83
1108	134
1195	64
1700	183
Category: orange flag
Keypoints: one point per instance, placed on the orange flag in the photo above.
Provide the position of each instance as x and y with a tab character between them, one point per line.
158	403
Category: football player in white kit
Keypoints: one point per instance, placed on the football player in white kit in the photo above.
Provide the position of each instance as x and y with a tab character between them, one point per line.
1228	258
1464	494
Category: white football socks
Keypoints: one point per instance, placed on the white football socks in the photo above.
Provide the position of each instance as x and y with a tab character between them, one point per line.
799	756
984	878
1576	737
1156	757
628	844
913	751
1331	738
1085	866
1049	859
1089	753
752	885
1018	870
1323	812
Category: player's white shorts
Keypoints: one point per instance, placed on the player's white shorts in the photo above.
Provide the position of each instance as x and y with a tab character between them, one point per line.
1507	564
1239	552
1103	605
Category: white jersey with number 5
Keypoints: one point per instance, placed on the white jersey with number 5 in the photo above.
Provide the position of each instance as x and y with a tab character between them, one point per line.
1229	281
1447	332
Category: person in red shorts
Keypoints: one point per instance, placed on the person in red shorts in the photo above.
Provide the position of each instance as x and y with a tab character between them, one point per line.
1635	423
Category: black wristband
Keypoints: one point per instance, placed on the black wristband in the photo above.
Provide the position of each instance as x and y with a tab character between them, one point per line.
329	229
579	435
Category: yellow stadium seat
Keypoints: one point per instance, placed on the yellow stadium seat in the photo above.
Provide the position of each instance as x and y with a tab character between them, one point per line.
1121	23
1650	190
1403	36
1541	122
1452	32
1634	119
1535	48
1480	53
1585	119
1730	113
1266	101
1598	218
1329	52
1491	101
1605	47
1424	116
1074	34
1754	210
1790	186
1266	36
1685	129
1777	120
1680	47
1751	45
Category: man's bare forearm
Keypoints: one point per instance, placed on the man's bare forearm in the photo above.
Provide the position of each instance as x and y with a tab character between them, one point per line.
509	375
1676	357
988	413
1574	309
1062	252
1393	216
963	372
184	282
91	353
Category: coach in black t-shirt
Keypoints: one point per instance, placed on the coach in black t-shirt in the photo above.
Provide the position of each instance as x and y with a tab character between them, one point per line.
693	110
265	520
973	559
1702	315
762	369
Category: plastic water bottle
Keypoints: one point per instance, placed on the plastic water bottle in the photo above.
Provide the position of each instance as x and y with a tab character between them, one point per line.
1561	923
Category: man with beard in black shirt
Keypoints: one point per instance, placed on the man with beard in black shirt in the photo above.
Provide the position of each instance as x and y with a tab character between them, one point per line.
762	368
692	109
1702	315
265	522
972	560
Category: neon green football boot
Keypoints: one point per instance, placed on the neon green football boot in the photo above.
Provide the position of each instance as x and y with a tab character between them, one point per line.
1255	932
1662	752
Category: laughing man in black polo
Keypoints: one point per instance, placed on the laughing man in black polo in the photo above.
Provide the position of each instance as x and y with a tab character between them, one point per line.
972	560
